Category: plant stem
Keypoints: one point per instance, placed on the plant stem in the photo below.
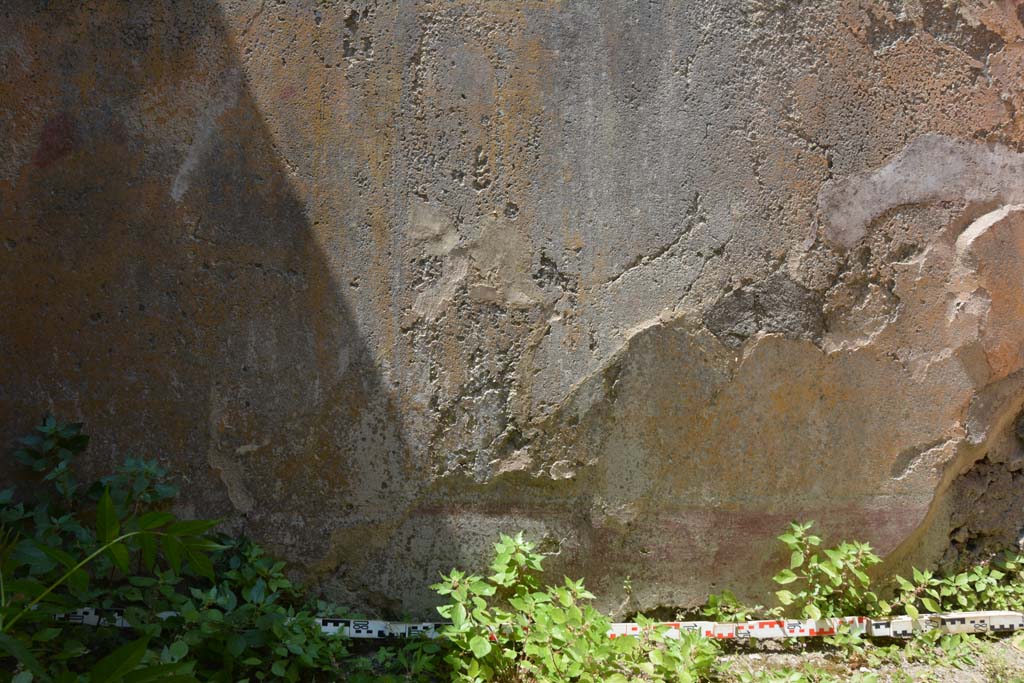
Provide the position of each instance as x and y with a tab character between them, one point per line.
71	571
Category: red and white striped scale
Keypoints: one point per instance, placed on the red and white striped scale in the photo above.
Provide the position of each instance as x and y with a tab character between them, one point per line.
895	627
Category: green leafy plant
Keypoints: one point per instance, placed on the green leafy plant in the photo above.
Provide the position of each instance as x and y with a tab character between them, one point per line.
59	553
199	607
826	582
253	623
50	451
658	654
936	648
855	649
725	607
996	584
774	676
214	608
510	627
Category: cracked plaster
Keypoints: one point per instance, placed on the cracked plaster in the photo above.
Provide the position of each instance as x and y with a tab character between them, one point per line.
380	280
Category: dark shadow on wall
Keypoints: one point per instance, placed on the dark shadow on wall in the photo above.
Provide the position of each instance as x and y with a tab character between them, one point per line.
162	282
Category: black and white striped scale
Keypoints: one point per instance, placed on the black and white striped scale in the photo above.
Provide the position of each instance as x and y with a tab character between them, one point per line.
894	627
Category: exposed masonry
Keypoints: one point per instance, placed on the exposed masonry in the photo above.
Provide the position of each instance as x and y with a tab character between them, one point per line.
988	502
775	306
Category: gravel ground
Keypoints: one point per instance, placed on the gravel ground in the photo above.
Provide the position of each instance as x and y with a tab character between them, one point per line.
986	661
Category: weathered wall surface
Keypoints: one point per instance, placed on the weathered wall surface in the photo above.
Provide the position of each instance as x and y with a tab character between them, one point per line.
647	280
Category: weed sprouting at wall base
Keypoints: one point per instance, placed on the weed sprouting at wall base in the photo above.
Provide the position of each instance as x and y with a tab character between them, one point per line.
206	607
114	544
510	627
826	582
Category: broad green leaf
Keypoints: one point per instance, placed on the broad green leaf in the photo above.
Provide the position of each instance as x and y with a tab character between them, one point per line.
625	644
930	605
480	647
107	524
118	663
199	563
147	544
30	553
911	611
257	592
178	649
46	635
173	549
458	615
235	645
785	597
905	585
119	555
153	520
812	611
796	559
785	576
17	649
57	554
29	587
79	579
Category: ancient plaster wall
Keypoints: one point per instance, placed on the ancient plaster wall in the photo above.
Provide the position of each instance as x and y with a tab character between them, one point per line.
647	280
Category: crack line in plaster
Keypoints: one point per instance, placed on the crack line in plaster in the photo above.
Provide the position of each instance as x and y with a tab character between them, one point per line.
641	260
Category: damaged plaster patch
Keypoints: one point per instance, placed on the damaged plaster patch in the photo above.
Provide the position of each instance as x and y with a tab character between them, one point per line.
437	238
913	460
777	305
501	259
989	265
931	168
495	266
988	500
967	238
861	323
227	468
